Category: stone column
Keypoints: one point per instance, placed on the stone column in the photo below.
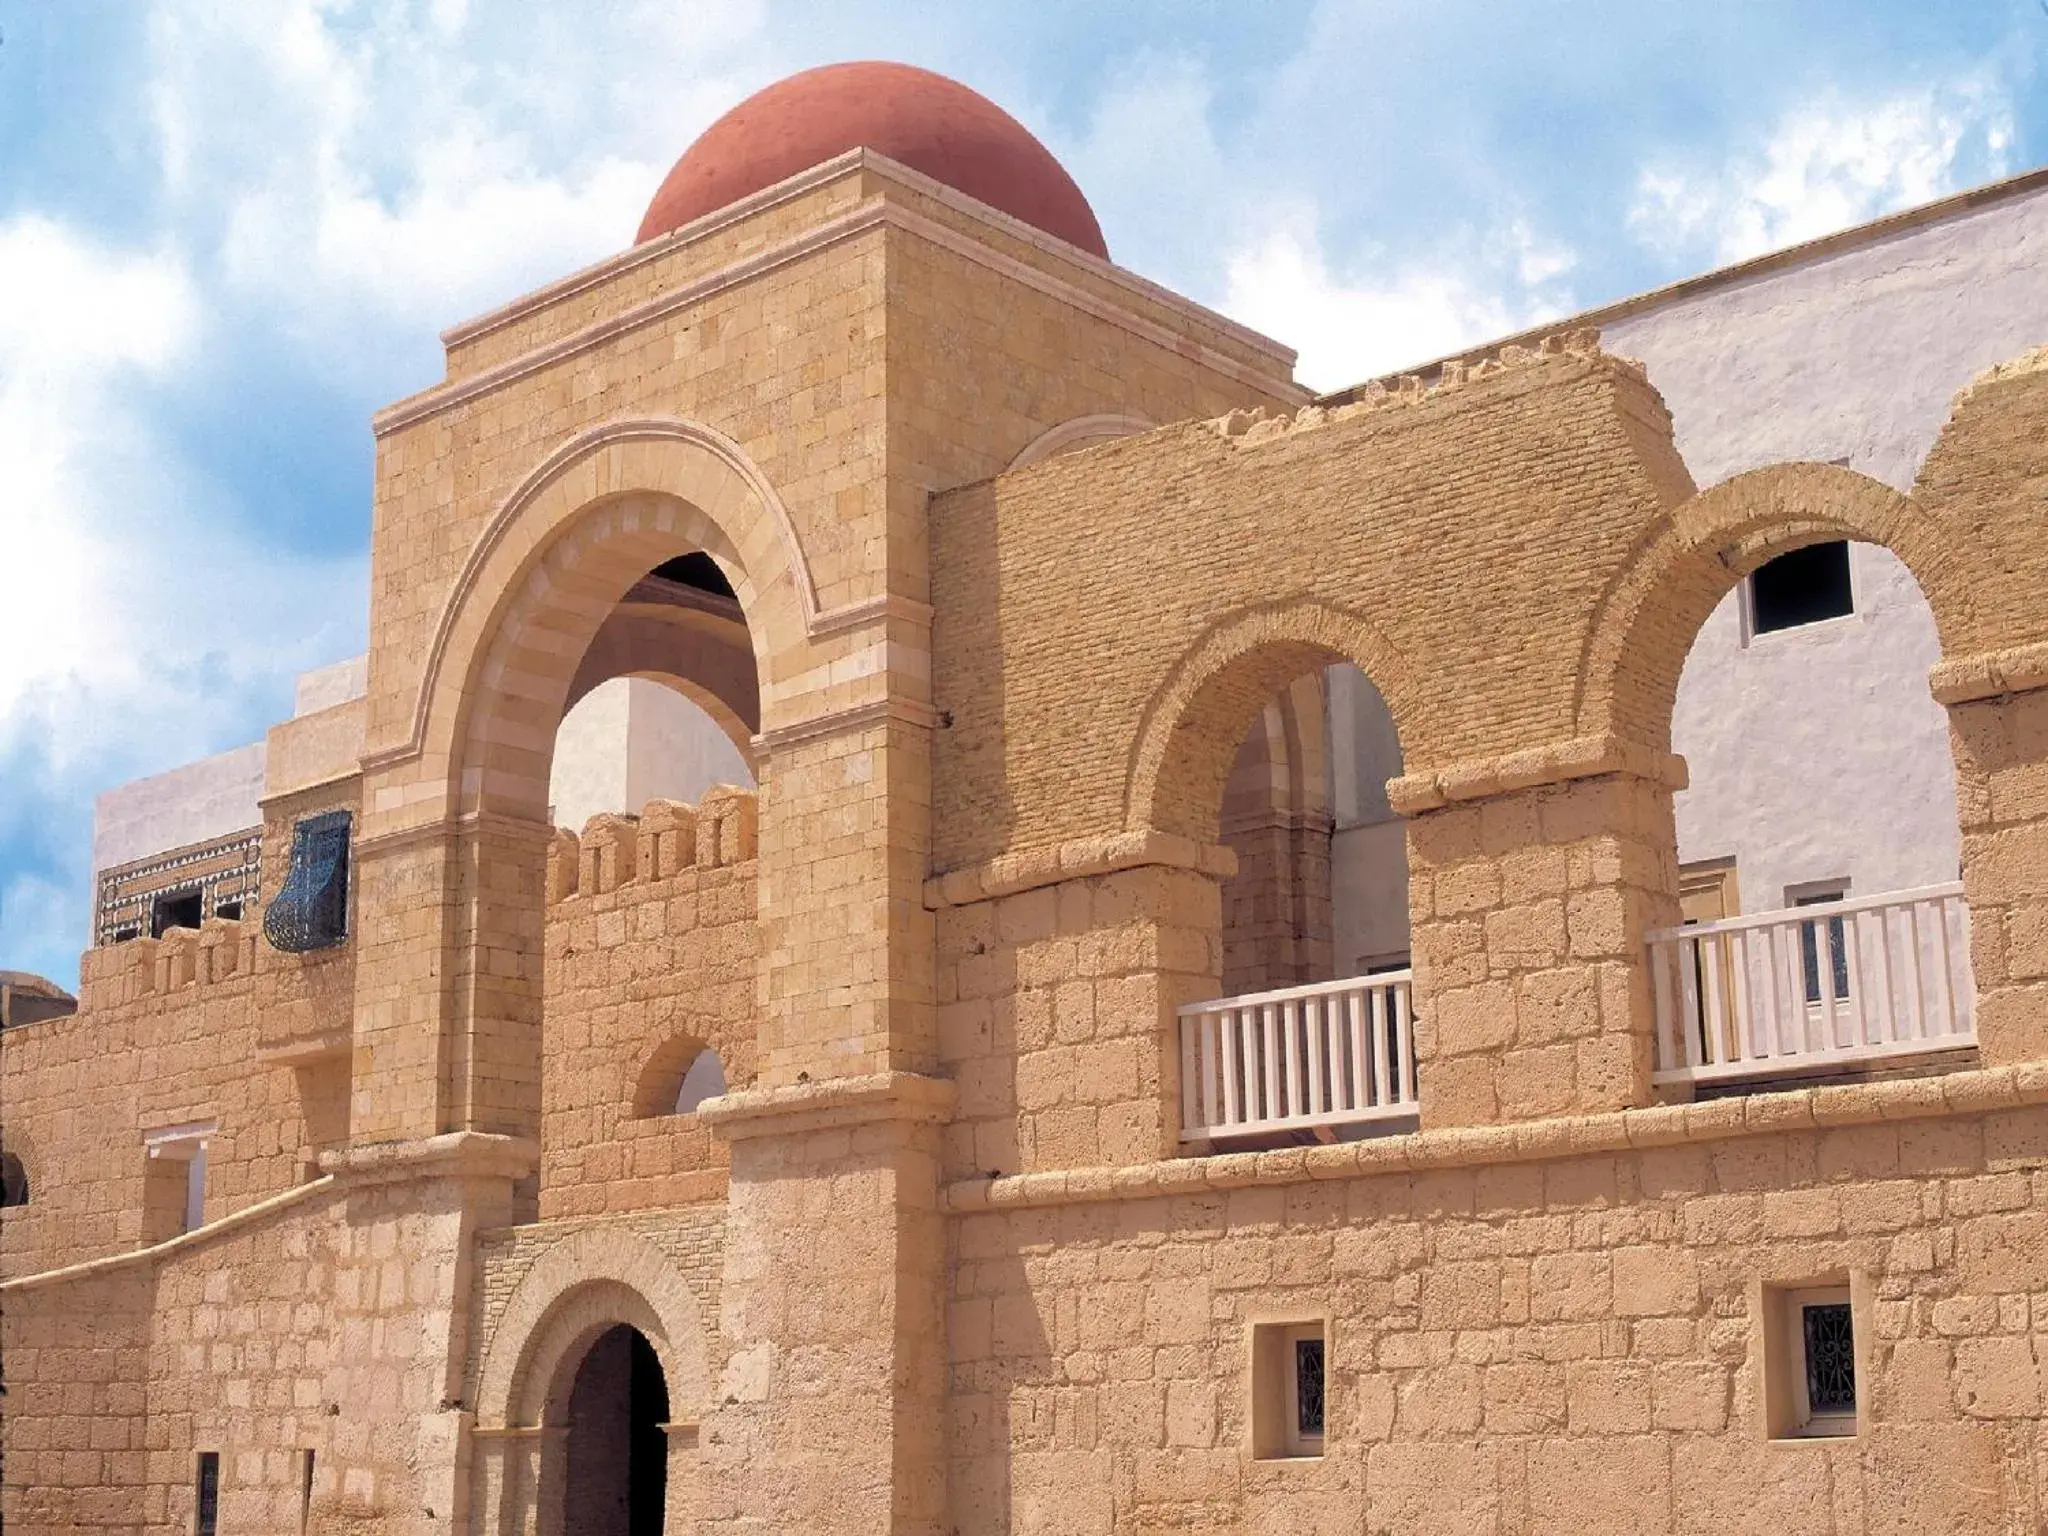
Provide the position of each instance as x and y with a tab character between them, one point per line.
1530	904
829	1417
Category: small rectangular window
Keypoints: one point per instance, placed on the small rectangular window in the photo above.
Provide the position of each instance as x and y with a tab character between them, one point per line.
206	1496
1803	586
1810	1362
1289	1385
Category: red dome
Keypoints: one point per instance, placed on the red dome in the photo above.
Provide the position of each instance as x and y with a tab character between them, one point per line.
928	122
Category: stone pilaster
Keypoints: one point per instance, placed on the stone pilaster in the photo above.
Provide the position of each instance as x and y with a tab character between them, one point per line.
1530	907
830	1413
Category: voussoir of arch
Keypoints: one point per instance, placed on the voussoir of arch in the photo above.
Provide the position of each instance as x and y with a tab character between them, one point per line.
691	462
1339	635
1075	431
590	1281
1686	562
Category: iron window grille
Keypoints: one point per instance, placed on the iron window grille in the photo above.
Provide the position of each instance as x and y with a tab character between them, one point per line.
311	909
1830	1358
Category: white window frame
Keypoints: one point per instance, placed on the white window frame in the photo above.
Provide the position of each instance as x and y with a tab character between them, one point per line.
186	1144
1793	1304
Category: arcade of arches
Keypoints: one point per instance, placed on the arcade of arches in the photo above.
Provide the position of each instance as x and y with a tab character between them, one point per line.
956	1237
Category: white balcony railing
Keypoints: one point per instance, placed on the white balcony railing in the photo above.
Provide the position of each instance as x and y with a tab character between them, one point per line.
1335	1053
1836	982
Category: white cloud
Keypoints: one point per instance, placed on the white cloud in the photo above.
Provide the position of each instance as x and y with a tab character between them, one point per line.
1357	324
138	629
1826	166
402	163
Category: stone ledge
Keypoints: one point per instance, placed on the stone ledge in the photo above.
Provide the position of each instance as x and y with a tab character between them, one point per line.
1010	874
234	1221
1990	675
1560	762
831	1104
1630	1130
454	1154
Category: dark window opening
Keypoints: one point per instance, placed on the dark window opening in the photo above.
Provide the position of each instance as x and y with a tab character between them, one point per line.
13	1181
1830	1358
176	909
206	1495
231	910
1802	587
311	909
1308	1388
698	570
127	931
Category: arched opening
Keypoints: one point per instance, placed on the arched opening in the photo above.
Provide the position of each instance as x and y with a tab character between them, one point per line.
678	1078
1818	853
13	1181
615	1460
1307	1030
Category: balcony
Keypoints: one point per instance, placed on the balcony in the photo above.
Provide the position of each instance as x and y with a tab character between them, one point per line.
1830	985
1312	1058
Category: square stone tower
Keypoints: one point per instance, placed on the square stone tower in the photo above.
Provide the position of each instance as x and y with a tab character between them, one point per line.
864	286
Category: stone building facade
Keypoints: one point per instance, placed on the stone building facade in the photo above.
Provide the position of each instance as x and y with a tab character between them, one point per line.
894	1147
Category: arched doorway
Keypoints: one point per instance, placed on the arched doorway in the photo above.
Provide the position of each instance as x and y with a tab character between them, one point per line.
615	1460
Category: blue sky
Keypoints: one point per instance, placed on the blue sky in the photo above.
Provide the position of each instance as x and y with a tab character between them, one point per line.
230	229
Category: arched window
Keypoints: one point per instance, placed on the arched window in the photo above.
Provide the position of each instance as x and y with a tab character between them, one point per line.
13	1181
678	1078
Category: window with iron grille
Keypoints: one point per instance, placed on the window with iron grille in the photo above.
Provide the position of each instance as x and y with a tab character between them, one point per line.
206	1495
311	909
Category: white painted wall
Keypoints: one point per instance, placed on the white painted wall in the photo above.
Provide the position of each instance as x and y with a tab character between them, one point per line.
1816	753
632	740
207	799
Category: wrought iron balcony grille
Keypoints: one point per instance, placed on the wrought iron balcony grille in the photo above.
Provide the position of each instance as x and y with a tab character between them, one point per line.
311	911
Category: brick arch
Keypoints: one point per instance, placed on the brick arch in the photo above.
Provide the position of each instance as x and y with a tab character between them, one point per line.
550	569
591	1281
1645	623
1197	717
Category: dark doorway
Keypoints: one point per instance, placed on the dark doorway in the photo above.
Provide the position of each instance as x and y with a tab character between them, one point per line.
617	1482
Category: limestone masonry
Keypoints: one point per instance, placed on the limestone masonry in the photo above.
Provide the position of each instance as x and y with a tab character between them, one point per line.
1469	955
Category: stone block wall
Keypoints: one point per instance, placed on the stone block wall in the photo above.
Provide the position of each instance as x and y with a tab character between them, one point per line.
168	1033
1566	1340
1056	1009
651	953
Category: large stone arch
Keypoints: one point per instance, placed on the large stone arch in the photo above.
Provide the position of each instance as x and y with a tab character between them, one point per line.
703	656
590	1282
1646	621
549	570
1191	726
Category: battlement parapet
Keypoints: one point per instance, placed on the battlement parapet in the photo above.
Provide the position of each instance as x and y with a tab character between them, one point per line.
665	840
220	949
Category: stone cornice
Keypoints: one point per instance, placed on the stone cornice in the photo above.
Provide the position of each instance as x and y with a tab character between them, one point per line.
839	722
832	1103
807	181
1027	869
1560	762
1990	674
453	1154
1631	1130
875	213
